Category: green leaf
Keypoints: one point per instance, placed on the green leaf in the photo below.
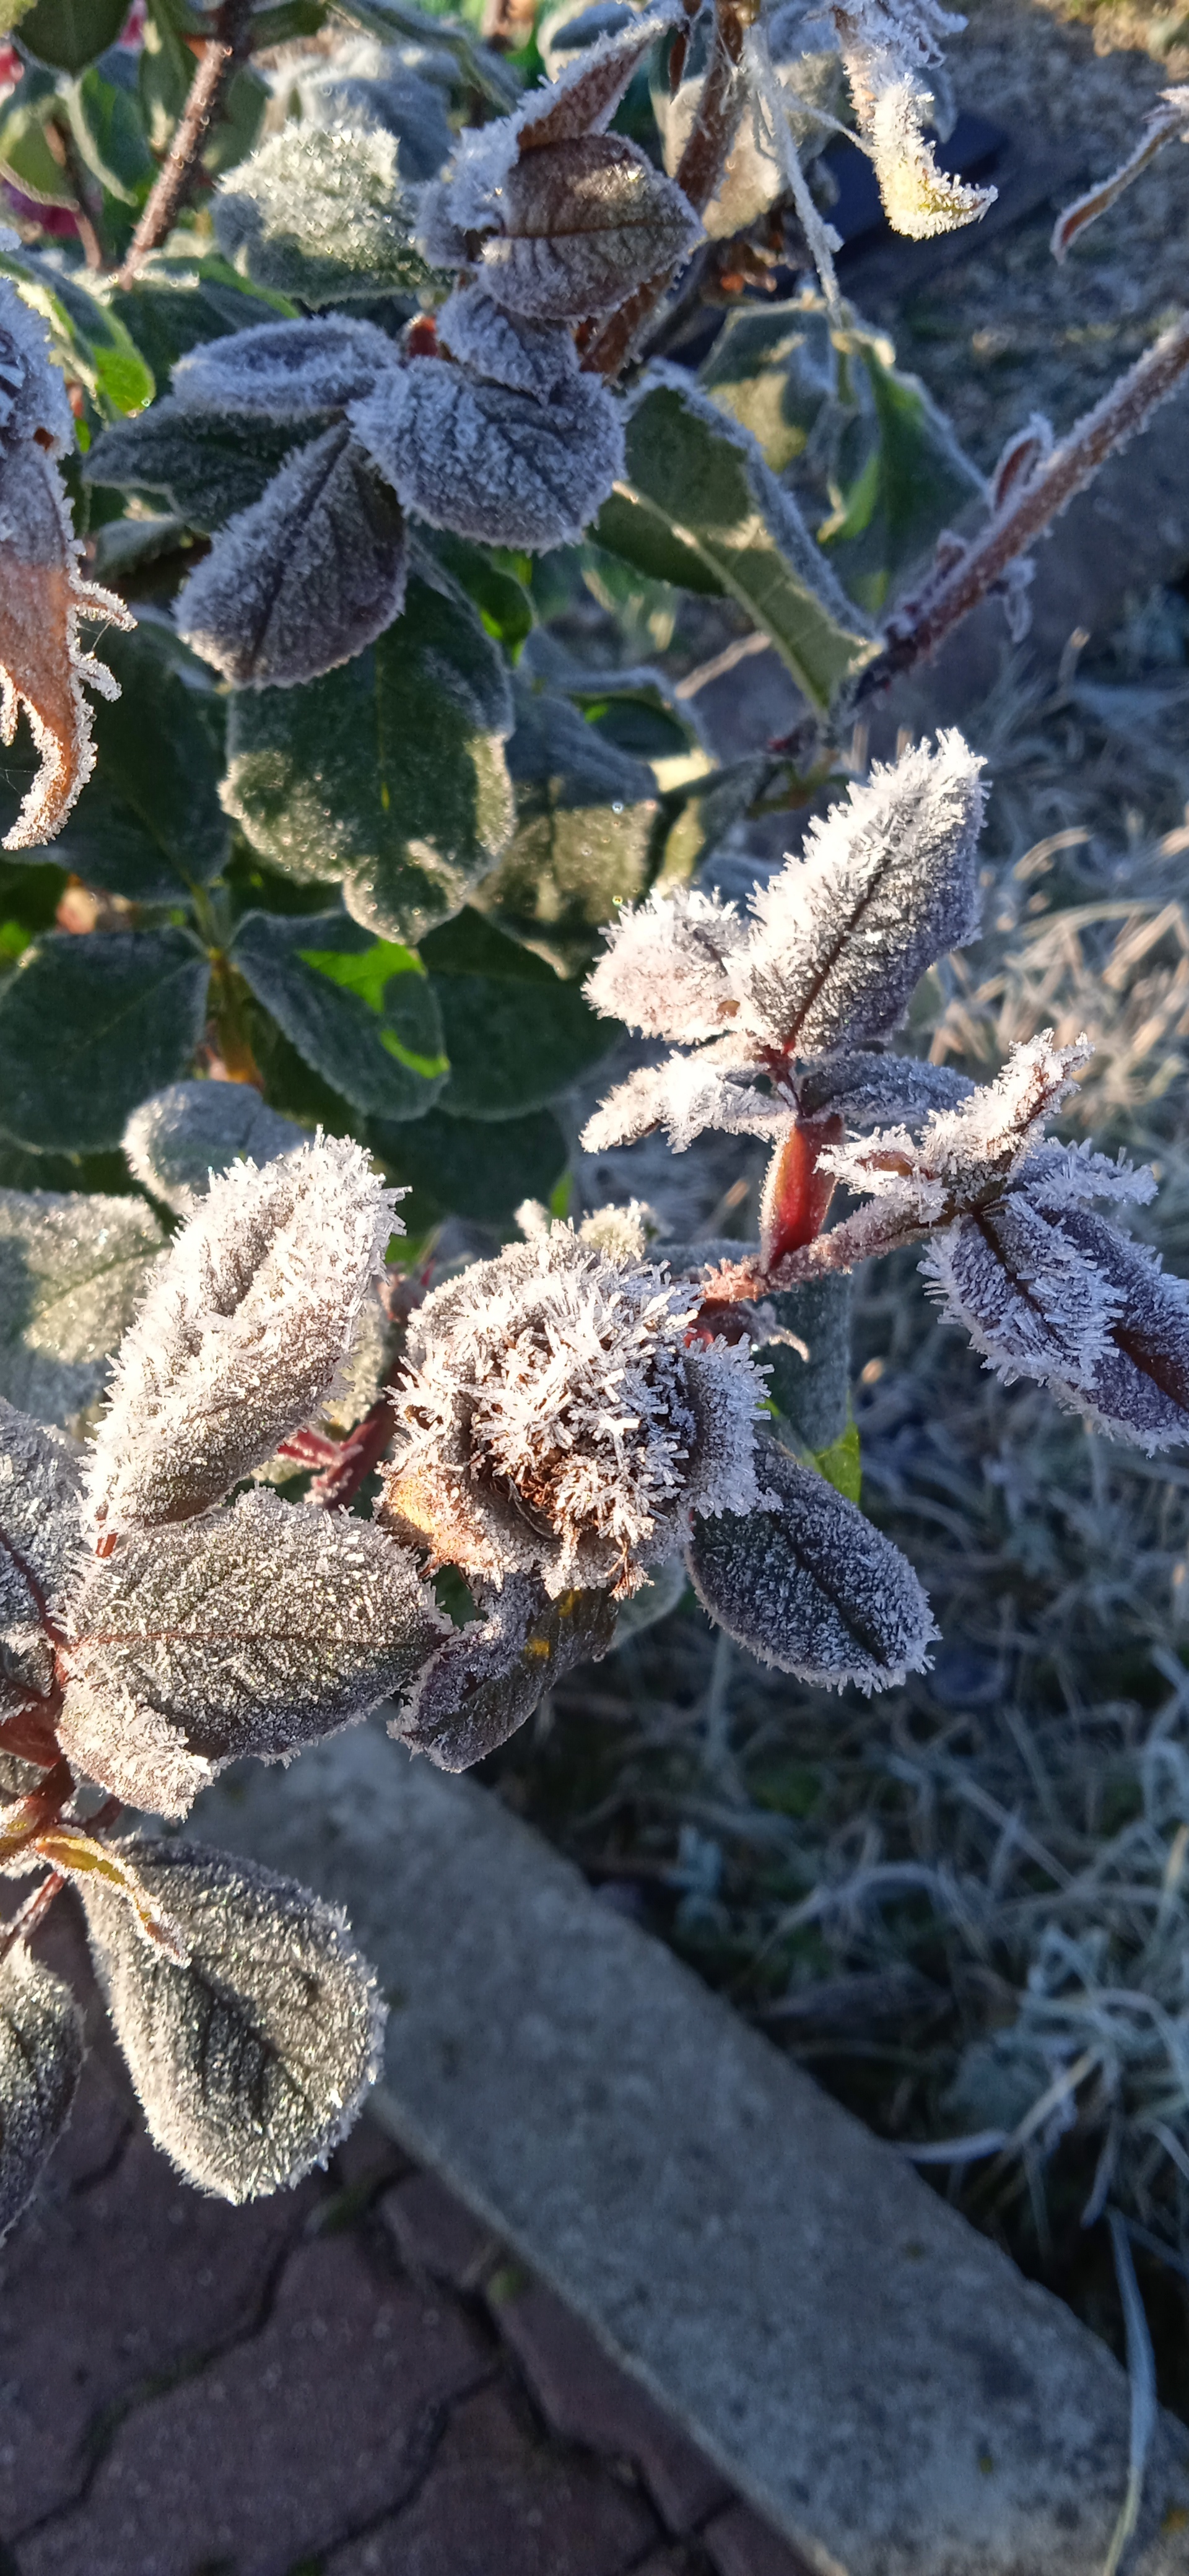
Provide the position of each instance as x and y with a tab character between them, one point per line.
901	474
105	120
165	69
237	129
89	1026
25	155
84	332
178	302
289	20
208	465
773	369
629	526
813	1393
476	1168
71	33
585	816
842	1464
388	773
704	478
72	1268
150	824
515	1035
319	212
504	605
393	22
360	1010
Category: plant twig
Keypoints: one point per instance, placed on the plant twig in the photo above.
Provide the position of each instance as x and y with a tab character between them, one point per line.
221	56
922	623
699	171
85	210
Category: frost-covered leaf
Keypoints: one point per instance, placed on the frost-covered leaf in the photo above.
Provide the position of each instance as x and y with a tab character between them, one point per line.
555	1419
582	224
584	94
919	198
684	1095
251	2062
886	883
321	215
207	466
309	576
242	1332
39	1518
178	1138
285	371
42	593
809	1374
773	368
88	1026
249	1631
360	1010
491	463
811	1586
369	84
108	129
484	1680
71	1270
41	2057
476	1168
531	357
701	479
515	1034
389	773
585	818
151	825
868	1088
663	969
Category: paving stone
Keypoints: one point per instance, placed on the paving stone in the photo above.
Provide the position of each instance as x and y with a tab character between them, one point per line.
435	2231
848	2351
737	2543
587	2398
320	2420
122	2278
497	2503
367	2160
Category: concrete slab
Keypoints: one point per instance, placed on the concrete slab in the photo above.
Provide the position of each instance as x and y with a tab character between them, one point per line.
873	2376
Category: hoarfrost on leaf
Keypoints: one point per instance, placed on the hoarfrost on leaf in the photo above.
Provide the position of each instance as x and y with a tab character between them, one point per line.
487	1678
556	1420
531	357
307	577
321	214
490	463
663	970
285	371
175	1141
252	2061
71	1270
41	2057
887	45
581	225
254	1630
243	1331
806	1583
39	1519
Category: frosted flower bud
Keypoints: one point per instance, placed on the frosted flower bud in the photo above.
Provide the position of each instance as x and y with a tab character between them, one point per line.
663	967
885	884
41	2056
556	1419
242	1333
178	1139
250	2062
256	1630
808	1584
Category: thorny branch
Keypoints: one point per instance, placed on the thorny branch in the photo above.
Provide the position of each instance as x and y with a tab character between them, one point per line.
221	57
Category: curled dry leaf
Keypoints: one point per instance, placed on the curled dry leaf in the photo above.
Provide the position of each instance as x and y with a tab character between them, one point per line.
41	2056
491	463
250	1631
307	577
809	1585
251	2061
242	1334
42	596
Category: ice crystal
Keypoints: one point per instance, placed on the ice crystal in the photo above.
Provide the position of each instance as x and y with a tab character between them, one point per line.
684	1095
177	1139
251	2062
531	357
886	46
806	1583
242	1332
556	1419
42	594
249	1631
489	462
307	577
285	371
663	970
41	2057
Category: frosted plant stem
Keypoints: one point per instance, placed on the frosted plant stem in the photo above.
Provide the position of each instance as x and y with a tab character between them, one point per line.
767	95
925	622
222	55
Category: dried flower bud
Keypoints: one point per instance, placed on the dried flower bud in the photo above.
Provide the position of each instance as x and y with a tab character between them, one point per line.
806	1583
255	1630
242	1333
252	2061
556	1420
41	2056
176	1141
